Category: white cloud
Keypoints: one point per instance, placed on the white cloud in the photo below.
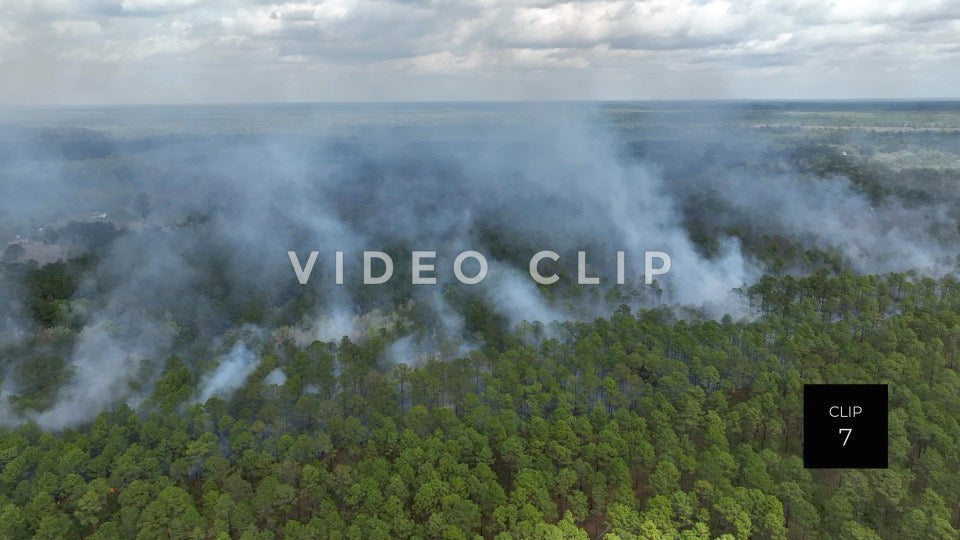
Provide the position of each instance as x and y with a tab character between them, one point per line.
158	5
381	49
76	28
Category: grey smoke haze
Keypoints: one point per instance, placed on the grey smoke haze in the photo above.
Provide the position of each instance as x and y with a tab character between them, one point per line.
12	325
105	361
828	213
230	196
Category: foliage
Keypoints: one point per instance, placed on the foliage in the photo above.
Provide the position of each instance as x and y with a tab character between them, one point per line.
637	426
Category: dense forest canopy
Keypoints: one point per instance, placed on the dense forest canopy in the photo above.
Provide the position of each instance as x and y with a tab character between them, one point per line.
635	426
165	376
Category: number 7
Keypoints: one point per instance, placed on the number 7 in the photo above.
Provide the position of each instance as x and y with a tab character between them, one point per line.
847	438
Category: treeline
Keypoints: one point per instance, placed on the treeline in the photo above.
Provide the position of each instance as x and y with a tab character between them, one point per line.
636	426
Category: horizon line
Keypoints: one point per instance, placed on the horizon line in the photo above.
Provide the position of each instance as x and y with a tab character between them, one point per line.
480	102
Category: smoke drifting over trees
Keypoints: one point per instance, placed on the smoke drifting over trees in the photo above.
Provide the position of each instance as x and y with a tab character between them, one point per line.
209	204
230	374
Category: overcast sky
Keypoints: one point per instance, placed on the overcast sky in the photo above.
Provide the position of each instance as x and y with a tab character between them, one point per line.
168	51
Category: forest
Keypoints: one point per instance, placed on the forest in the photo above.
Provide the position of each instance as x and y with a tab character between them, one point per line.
164	375
640	425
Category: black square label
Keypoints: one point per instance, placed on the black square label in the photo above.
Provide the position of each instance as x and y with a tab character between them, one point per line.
845	426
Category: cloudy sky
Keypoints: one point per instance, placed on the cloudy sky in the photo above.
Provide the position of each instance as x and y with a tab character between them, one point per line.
166	51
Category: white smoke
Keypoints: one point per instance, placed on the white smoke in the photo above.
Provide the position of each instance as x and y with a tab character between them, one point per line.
276	377
230	374
516	294
561	182
831	213
105	362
